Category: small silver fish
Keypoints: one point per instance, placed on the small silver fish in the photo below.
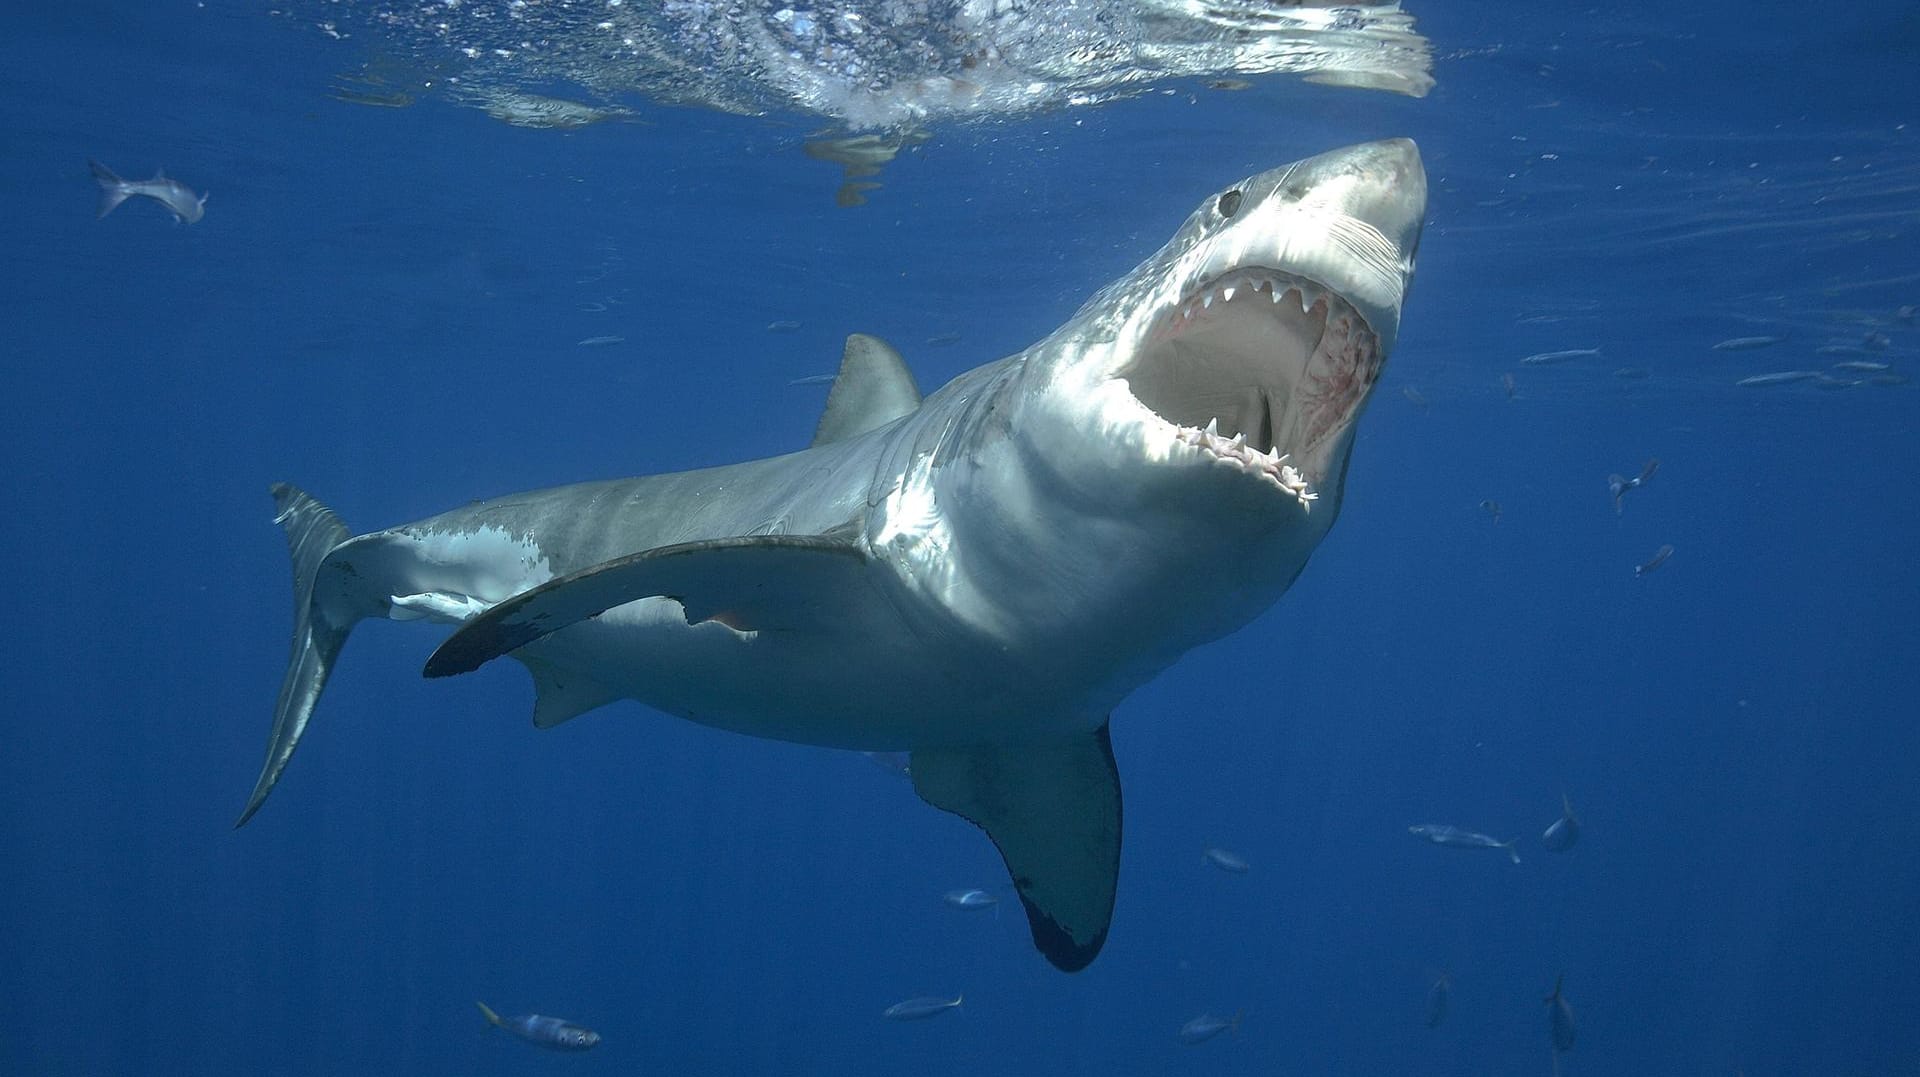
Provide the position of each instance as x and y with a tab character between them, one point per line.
549	1032
814	379
861	156
1441	834
1782	377
1618	486
1631	373
1877	341
1207	1026
1659	558
1561	356
1438	997
1564	831
1905	312
1507	383
972	900
782	326
1742	344
176	196
595	342
1559	1017
919	1009
1415	397
548	113
1864	366
943	340
1493	508
1224	860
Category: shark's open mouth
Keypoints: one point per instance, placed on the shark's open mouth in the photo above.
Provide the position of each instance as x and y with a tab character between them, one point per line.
1258	368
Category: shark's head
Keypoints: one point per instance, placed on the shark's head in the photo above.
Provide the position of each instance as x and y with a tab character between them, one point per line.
1249	342
1179	446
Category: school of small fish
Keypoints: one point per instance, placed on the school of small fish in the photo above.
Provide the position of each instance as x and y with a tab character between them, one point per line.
1853	362
1845	364
1849	363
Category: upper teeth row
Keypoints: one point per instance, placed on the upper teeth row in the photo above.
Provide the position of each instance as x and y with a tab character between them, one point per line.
1305	294
1275	468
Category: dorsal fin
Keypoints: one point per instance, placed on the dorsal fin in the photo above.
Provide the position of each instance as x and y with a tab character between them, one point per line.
872	389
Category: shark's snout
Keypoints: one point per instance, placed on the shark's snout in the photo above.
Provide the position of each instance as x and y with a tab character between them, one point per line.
1391	192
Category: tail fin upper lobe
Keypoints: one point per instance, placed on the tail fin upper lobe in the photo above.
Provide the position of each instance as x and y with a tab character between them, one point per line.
313	531
113	189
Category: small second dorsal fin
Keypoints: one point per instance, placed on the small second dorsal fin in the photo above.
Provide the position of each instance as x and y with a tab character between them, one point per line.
872	389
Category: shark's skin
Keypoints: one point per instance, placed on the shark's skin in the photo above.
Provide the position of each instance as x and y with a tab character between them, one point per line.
978	578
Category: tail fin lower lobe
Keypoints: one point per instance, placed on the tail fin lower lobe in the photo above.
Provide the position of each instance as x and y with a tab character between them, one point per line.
313	531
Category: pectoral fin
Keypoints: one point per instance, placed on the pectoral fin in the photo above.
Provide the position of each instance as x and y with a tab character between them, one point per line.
1052	807
751	583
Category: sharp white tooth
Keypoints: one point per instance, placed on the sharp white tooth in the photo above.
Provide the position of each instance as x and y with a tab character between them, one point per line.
1306	302
1207	300
1213	428
1226	294
1239	441
1274	294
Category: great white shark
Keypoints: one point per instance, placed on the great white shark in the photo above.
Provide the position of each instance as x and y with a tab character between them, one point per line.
977	578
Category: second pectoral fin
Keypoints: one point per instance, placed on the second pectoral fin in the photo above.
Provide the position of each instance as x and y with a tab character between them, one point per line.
750	583
1052	808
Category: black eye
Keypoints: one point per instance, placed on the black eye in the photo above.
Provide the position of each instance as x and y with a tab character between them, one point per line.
1229	203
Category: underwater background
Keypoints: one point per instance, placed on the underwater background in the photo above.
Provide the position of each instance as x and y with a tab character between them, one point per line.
404	308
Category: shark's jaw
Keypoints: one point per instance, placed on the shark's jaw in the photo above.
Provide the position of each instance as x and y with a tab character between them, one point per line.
1258	369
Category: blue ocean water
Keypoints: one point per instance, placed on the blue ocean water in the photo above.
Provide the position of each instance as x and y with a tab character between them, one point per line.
383	305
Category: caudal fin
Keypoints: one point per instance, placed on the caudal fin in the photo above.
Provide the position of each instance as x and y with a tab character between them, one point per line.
1511	851
113	189
487	1012
313	531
